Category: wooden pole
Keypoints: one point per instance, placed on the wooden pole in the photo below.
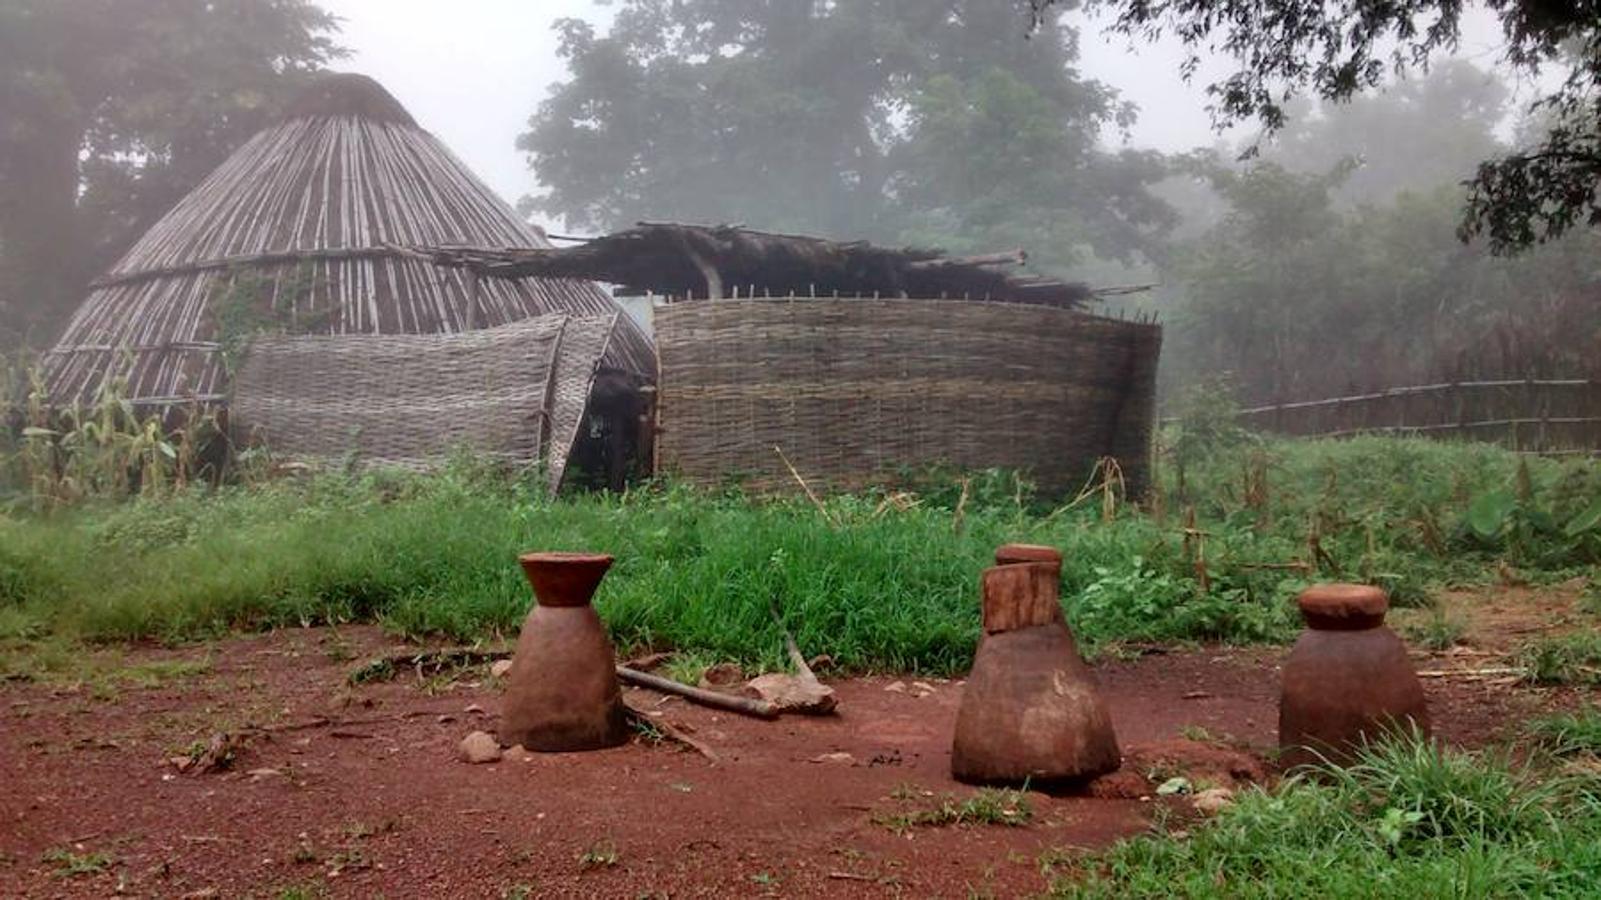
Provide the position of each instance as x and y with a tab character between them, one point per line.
746	706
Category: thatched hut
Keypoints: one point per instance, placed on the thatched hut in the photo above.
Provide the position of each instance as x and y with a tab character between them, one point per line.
852	361
308	229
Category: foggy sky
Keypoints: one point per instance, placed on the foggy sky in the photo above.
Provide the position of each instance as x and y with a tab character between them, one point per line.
472	71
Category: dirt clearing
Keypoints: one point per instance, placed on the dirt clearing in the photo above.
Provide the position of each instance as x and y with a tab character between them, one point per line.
349	790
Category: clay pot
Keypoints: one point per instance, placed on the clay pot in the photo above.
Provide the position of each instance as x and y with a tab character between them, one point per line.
1348	678
561	692
1031	709
1015	554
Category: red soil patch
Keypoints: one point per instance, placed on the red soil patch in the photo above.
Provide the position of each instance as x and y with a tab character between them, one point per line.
374	800
1502	618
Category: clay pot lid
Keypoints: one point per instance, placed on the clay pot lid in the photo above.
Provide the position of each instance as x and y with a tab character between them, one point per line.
1344	607
563	578
1014	554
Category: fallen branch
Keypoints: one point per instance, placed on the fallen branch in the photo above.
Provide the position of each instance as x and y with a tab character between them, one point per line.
790	647
812	697
761	709
669	731
1473	673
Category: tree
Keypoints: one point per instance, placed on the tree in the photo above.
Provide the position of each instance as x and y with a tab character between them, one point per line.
1421	133
889	119
1337	48
1299	297
110	110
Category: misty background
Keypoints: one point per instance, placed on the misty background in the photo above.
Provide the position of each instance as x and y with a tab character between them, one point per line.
1328	262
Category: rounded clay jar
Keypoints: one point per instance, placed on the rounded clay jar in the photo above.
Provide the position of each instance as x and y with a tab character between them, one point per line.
1348	678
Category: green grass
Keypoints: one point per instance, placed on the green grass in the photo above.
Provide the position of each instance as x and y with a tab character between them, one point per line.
986	806
885	588
1438	632
71	864
1569	734
1567	659
1409	820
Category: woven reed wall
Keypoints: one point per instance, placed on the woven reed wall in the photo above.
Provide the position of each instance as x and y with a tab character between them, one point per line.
515	393
1558	416
852	389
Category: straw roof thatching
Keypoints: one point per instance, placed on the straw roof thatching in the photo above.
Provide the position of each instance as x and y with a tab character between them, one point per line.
724	260
308	229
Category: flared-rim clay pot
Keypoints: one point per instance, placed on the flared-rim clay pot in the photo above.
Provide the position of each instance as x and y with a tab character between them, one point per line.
1348	679
562	692
1017	554
563	579
1031	710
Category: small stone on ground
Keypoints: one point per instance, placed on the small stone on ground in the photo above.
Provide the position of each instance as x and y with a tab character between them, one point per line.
480	747
1213	800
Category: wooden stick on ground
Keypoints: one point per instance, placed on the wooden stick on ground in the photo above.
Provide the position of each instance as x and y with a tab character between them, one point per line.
791	648
1472	673
670	732
807	695
761	709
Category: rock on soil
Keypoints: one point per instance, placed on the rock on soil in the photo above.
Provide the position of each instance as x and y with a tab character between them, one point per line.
1213	800
792	694
480	747
500	668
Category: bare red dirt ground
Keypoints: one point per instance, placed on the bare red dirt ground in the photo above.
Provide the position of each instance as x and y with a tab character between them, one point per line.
357	791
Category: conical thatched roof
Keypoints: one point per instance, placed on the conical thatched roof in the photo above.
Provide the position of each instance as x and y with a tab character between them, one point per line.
306	229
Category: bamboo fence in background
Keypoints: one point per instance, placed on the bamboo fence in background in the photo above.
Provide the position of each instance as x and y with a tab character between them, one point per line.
1557	416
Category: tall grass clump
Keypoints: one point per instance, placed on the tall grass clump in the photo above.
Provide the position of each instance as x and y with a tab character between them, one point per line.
1232	529
1409	819
874	588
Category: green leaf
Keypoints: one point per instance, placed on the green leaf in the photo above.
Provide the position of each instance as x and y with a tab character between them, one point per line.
1488	514
1585	521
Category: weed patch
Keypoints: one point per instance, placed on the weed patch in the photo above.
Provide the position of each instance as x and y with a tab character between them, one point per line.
602	855
1569	734
71	863
1570	659
1409	819
988	806
885	581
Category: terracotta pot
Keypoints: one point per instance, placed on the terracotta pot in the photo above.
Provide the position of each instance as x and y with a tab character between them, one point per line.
1031	709
1015	554
1348	678
562	692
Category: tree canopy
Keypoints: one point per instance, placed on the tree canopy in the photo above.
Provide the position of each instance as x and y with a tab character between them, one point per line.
1334	49
1334	266
898	120
110	110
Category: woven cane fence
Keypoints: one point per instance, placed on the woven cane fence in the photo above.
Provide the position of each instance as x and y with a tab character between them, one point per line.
513	394
1551	416
852	390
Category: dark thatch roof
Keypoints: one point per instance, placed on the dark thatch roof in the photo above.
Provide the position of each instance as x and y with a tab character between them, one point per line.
726	260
